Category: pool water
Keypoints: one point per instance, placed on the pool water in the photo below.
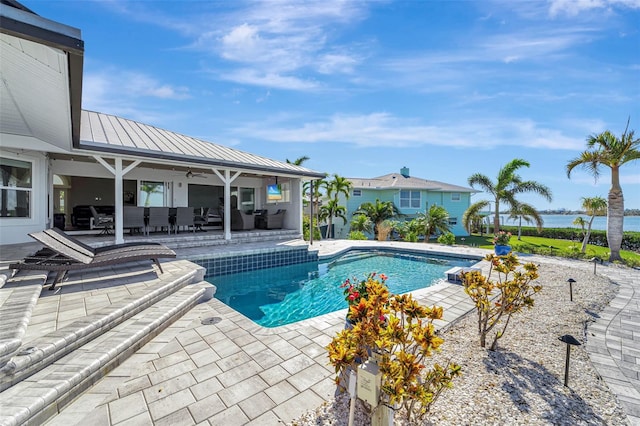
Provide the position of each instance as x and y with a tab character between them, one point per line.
278	296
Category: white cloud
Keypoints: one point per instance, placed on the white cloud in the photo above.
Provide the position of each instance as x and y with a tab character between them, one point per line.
575	7
122	84
383	129
270	80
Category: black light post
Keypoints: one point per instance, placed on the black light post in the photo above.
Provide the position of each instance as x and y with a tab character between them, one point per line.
570	341
595	261
571	281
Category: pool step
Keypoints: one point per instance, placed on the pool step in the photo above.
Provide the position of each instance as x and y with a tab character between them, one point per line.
47	392
48	372
39	353
17	300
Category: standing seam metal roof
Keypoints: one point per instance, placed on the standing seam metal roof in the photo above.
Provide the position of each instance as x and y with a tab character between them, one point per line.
109	133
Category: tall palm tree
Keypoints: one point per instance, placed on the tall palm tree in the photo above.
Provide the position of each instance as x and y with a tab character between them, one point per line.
298	161
329	211
593	206
436	219
378	212
528	213
334	187
505	189
605	149
338	185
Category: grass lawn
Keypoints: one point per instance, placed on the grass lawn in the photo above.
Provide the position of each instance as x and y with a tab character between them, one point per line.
550	246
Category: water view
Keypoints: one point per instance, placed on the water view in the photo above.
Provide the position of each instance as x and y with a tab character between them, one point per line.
631	223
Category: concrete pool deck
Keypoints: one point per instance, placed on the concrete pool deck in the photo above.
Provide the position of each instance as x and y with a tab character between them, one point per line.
214	366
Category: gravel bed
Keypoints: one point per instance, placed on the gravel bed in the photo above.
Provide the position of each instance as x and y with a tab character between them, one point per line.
522	383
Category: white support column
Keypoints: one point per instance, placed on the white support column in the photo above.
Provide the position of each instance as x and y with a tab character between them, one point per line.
119	192
227	179
118	173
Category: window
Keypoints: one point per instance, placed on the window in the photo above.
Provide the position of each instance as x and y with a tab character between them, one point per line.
15	188
453	221
410	199
152	194
455	196
357	192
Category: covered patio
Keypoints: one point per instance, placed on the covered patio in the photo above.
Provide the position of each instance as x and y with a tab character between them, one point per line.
56	157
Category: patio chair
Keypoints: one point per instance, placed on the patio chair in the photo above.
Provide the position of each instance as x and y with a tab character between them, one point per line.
63	253
184	217
159	217
270	221
133	218
201	219
101	221
241	221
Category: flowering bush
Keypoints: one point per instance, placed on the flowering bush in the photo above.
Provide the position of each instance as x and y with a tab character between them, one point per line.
356	290
496	300
401	334
502	238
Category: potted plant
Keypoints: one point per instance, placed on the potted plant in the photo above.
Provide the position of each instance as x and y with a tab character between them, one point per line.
501	243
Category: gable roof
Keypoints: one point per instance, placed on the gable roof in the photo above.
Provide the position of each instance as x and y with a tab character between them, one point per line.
111	134
398	181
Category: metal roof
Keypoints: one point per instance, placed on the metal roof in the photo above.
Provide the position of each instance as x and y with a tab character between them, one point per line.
111	134
398	181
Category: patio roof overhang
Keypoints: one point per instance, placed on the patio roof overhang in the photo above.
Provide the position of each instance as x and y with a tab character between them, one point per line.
111	136
41	63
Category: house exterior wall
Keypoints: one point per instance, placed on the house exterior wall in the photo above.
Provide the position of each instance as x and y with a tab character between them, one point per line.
15	230
456	208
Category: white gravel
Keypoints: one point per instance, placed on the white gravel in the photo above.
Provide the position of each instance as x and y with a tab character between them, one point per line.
522	383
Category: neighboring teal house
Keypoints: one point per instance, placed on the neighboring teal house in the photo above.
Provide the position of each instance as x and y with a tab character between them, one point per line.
411	195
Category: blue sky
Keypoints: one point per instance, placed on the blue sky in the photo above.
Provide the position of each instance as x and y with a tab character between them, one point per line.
363	88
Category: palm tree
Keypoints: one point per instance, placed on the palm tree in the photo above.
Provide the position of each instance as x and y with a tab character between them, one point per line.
593	206
150	188
507	186
329	211
298	161
335	187
378	212
605	149
361	223
528	213
338	185
579	221
436	219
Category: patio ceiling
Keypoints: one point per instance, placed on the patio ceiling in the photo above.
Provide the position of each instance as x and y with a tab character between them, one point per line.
41	84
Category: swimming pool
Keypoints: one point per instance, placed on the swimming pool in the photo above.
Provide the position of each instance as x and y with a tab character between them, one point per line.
283	295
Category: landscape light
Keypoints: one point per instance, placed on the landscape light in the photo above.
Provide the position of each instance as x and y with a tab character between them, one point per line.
571	281
570	341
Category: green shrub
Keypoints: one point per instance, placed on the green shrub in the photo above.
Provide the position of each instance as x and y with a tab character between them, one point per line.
410	237
630	239
448	239
357	235
305	229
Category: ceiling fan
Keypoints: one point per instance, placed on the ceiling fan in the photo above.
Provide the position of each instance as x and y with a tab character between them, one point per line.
190	175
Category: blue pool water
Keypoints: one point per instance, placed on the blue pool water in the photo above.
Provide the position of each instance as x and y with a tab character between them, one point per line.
277	296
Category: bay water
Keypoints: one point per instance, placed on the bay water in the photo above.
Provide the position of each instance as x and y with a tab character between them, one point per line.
631	223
